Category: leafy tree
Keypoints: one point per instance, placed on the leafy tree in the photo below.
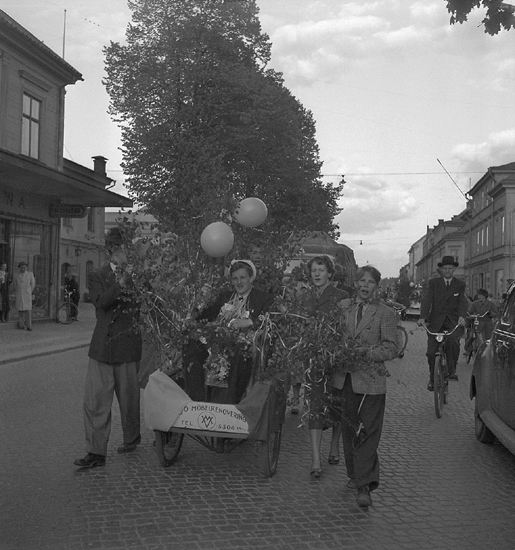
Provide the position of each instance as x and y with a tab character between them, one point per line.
499	15
205	123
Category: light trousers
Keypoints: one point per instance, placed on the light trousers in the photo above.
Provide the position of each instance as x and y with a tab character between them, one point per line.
102	382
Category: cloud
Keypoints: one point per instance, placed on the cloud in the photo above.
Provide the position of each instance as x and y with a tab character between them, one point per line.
354	35
376	202
497	150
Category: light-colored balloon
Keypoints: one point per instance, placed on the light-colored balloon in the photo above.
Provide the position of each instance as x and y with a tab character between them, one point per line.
217	239
251	212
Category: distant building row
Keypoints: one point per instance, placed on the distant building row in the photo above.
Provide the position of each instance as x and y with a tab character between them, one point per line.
481	237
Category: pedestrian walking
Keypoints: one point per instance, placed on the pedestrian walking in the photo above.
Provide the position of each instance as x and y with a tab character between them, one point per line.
4	293
373	326
114	355
24	283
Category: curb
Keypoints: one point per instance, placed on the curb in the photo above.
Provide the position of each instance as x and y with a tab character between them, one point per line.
43	353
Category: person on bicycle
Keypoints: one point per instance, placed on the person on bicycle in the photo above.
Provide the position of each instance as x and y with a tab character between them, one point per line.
443	307
482	306
72	286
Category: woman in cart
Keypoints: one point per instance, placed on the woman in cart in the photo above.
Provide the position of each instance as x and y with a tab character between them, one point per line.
240	311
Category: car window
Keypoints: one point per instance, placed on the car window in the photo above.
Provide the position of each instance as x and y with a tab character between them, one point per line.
508	313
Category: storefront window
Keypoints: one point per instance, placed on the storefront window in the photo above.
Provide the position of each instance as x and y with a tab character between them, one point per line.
32	243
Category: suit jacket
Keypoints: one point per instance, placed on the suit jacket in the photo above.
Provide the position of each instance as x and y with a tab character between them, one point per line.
378	330
442	302
117	337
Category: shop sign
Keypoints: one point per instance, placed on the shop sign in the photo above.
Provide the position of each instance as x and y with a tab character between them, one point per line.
67	211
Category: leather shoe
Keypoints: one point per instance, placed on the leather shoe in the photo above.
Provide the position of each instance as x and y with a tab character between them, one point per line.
364	499
431	385
453	377
351	483
90	461
129	447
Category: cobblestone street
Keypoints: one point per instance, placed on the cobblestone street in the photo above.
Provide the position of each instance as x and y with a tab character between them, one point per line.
440	488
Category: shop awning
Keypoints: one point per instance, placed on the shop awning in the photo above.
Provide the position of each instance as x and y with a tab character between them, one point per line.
75	184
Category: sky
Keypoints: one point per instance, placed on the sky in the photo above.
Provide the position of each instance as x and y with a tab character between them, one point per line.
410	109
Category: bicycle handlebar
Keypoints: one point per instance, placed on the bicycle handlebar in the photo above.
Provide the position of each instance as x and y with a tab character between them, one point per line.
477	315
441	335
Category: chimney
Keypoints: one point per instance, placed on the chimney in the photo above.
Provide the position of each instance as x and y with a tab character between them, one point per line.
99	166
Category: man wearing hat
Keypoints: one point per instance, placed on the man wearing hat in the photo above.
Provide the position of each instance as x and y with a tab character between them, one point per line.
24	284
442	308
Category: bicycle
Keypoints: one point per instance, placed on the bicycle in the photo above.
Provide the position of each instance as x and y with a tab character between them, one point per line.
477	337
441	372
402	334
67	311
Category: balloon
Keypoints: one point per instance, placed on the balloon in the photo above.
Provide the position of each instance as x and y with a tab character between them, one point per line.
217	239
251	212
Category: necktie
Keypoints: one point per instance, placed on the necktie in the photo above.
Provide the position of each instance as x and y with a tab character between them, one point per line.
360	313
447	283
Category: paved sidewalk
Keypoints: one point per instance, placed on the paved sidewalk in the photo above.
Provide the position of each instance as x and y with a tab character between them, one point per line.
47	336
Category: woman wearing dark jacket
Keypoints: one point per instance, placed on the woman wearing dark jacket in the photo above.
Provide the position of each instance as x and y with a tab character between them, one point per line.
239	310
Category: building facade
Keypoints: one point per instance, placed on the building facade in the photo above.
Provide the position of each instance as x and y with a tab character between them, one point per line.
445	239
38	187
481	237
489	231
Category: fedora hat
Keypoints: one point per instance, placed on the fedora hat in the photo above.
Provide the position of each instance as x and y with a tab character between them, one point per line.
448	260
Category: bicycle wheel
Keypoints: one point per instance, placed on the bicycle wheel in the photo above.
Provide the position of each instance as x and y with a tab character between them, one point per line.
63	314
473	347
270	452
402	340
439	383
74	312
168	446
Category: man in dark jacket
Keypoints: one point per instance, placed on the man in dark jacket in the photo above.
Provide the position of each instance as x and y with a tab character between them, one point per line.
114	355
442	308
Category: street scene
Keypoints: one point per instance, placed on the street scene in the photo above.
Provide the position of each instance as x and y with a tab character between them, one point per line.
257	280
440	488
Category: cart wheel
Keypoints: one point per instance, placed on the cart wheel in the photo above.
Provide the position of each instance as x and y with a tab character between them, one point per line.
168	446
270	452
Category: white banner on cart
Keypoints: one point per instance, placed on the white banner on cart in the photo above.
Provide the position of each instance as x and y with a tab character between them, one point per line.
197	415
167	406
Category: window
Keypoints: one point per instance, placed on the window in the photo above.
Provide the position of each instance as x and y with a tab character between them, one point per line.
503	235
30	126
91	219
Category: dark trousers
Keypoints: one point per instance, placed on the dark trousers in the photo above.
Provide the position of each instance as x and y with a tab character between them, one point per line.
452	347
361	459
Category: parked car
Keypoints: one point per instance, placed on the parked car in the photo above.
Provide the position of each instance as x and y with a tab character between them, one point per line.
492	383
413	311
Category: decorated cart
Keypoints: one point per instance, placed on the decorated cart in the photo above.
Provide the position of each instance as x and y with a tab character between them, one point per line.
258	417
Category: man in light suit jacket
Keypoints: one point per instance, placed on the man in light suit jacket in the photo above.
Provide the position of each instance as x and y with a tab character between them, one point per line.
114	355
363	393
442	308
